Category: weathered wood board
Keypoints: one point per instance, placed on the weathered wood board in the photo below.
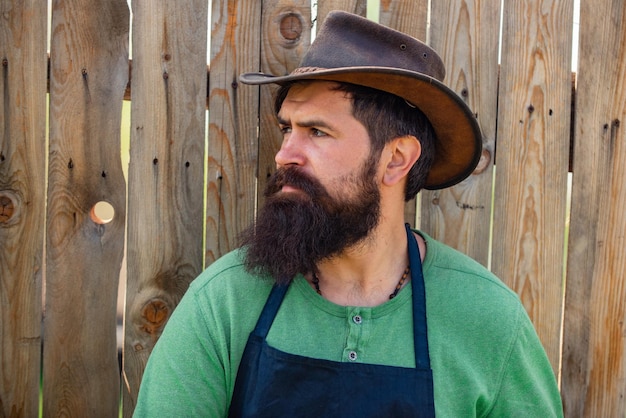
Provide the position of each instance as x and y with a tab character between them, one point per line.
166	182
233	124
467	36
88	75
594	339
532	160
22	202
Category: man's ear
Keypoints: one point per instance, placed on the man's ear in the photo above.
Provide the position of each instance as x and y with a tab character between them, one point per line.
402	153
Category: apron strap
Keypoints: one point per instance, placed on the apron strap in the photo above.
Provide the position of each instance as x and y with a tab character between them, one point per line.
270	310
420	329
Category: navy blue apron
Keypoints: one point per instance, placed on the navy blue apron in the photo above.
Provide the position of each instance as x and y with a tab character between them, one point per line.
272	383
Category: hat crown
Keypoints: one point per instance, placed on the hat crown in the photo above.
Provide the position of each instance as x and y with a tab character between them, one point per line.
368	44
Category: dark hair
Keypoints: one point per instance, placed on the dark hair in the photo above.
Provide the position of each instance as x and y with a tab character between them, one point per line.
386	117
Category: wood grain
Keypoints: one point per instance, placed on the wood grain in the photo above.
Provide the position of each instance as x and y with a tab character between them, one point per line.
88	74
466	36
22	202
285	39
594	346
233	125
165	202
324	7
532	161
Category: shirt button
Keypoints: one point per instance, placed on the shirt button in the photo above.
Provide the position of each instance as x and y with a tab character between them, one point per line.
352	355
358	319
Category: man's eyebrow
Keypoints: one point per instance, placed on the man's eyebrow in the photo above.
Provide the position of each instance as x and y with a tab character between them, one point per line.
281	121
318	123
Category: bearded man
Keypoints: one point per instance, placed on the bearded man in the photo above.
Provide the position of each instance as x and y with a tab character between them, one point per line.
333	307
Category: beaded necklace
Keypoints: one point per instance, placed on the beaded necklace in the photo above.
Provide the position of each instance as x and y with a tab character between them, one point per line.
316	283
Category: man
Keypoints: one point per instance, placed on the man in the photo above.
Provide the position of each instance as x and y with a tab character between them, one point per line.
333	307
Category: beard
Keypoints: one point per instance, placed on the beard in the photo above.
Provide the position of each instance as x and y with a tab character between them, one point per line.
295	231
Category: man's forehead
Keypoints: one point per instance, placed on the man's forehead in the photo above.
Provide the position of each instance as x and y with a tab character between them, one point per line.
315	93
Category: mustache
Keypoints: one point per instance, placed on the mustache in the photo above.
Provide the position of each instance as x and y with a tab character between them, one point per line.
294	177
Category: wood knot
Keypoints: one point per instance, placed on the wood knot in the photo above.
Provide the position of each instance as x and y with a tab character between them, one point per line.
8	207
291	27
154	315
483	162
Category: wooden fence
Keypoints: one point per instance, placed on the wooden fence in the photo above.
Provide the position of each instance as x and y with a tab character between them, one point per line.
183	202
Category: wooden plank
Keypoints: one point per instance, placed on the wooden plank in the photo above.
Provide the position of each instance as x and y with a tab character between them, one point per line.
233	126
410	17
22	202
165	202
594	348
466	36
532	161
286	37
324	7
88	74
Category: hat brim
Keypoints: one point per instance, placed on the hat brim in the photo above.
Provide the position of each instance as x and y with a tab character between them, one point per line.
459	141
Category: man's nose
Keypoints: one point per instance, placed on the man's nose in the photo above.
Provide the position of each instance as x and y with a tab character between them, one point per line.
291	151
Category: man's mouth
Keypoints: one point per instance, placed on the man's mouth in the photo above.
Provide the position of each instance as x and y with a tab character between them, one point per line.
287	188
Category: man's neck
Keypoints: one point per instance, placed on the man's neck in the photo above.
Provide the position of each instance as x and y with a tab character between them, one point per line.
367	274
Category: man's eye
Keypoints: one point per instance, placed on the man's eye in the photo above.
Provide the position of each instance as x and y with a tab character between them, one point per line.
317	132
285	129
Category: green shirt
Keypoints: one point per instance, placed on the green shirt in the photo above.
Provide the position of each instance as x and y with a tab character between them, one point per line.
486	357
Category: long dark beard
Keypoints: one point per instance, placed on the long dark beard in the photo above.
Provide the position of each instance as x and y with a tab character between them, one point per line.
295	231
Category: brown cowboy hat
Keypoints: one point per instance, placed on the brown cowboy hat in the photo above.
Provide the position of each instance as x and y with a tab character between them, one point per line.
352	49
